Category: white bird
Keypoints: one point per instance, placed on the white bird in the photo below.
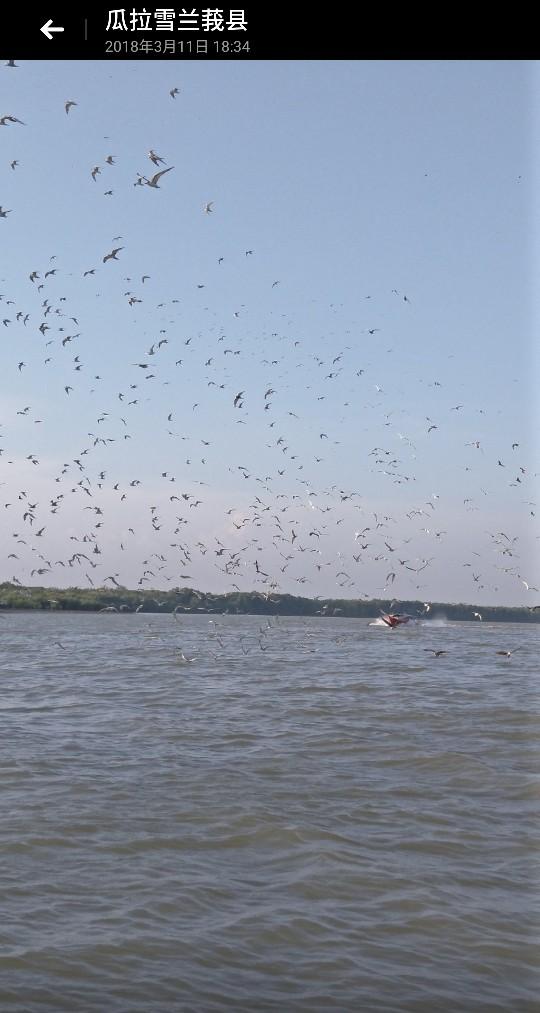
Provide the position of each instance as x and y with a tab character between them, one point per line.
208	207
182	658
68	105
154	181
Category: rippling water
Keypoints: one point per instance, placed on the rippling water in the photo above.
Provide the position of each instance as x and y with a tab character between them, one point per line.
249	815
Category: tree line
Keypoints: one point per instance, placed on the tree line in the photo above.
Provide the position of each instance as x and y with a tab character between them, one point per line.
189	600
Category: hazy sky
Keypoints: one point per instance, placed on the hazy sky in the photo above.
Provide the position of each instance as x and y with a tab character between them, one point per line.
388	197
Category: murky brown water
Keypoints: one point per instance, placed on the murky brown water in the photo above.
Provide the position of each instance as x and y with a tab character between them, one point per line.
318	815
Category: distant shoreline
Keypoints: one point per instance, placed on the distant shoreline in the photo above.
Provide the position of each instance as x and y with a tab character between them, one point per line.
190	601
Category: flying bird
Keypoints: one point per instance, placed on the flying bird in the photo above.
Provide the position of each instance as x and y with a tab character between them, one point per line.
112	254
68	105
154	181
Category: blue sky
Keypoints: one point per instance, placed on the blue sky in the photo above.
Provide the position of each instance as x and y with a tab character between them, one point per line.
354	185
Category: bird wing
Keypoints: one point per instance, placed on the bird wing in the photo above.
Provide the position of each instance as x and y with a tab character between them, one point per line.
158	175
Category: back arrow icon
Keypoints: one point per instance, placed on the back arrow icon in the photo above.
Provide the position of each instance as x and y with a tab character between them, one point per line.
49	27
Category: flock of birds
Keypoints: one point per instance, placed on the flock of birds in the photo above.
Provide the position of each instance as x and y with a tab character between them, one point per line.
200	399
224	640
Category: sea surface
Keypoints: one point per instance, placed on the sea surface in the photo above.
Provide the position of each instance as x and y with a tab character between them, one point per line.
231	813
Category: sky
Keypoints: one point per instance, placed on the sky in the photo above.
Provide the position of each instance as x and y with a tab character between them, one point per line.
326	383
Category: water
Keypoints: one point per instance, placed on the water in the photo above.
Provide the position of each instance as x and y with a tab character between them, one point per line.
309	815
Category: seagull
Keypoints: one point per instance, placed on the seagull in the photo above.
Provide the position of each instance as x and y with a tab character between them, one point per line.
508	654
437	654
174	92
112	254
181	658
208	209
154	181
68	105
477	615
156	159
3	212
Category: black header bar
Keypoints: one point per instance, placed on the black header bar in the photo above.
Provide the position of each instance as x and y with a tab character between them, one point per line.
259	31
